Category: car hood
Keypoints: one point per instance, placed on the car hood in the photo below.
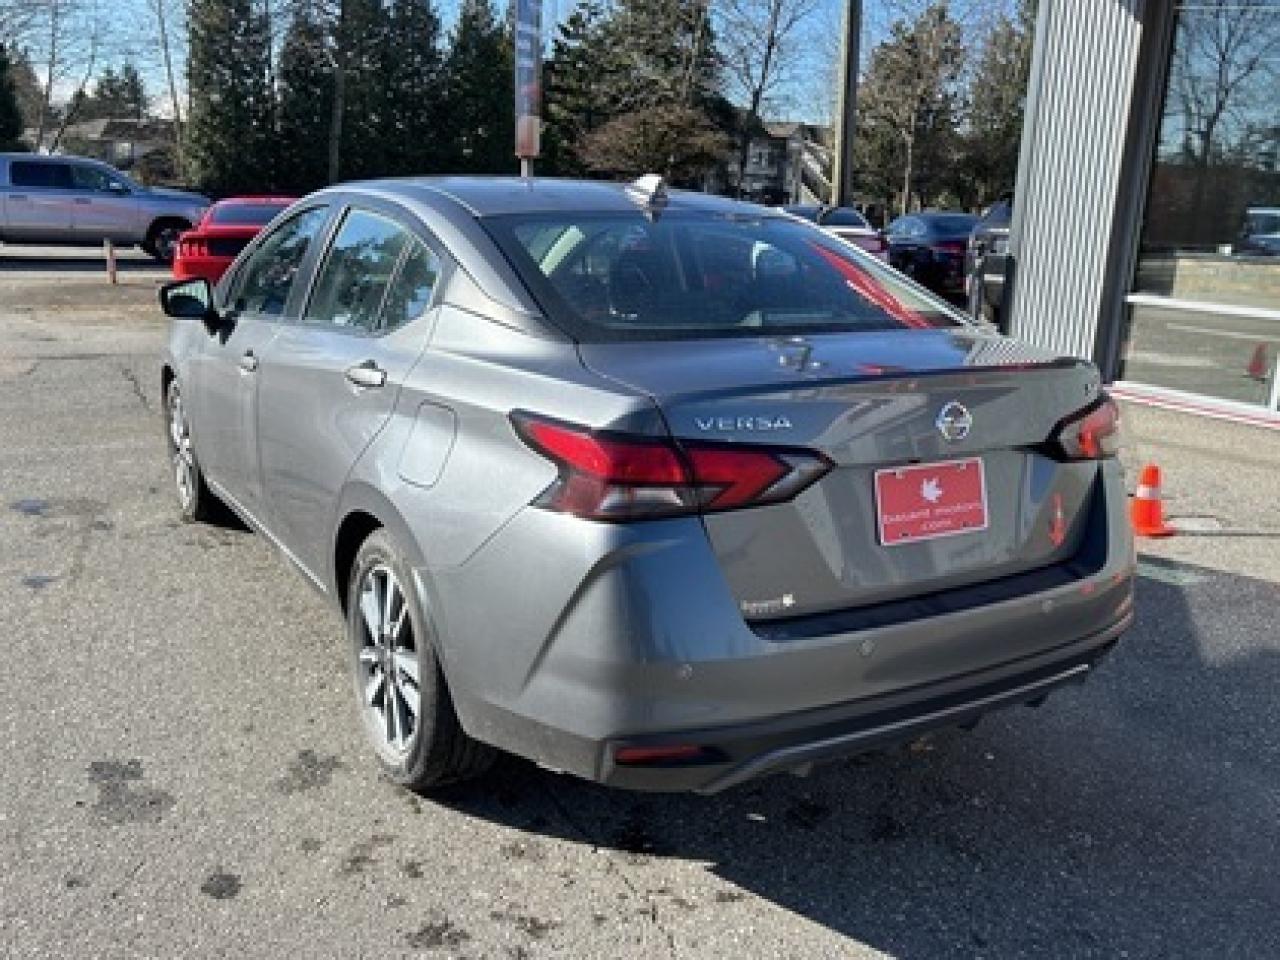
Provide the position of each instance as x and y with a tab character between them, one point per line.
178	196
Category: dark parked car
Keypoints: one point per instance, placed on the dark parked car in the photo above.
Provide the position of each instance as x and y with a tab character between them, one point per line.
929	247
987	262
845	223
660	489
1261	234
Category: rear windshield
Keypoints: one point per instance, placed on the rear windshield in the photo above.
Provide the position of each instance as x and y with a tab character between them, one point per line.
956	225
245	214
615	276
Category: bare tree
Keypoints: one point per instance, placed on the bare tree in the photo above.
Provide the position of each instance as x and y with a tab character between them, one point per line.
164	14
65	40
1224	55
760	43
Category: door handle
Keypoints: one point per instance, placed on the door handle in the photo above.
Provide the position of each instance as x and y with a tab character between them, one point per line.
249	362
367	374
83	200
19	196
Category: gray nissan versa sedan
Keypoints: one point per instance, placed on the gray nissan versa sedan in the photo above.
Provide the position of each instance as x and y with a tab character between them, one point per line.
664	490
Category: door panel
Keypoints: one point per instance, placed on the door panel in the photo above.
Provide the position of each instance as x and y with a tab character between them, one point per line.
329	385
231	365
98	210
39	203
224	419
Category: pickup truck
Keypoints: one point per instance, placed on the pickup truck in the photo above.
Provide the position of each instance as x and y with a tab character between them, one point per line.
78	201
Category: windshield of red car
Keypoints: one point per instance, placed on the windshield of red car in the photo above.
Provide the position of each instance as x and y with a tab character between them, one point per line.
685	275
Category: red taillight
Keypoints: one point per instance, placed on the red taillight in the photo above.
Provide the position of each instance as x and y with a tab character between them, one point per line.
192	247
607	476
1091	434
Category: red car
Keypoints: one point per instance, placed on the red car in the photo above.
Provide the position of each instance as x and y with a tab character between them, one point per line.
225	229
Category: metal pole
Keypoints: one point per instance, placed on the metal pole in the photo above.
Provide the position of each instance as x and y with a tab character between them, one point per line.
847	108
526	167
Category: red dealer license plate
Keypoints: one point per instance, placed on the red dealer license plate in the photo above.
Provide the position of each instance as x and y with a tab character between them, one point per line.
931	500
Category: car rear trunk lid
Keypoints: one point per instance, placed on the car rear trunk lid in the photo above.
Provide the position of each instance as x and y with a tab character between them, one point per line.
874	403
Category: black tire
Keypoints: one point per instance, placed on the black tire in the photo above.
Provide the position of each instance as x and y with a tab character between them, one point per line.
196	501
438	751
162	238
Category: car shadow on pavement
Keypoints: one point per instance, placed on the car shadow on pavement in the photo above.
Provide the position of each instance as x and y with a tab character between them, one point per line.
1136	814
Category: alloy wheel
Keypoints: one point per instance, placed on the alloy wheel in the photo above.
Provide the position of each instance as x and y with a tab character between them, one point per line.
184	463
389	681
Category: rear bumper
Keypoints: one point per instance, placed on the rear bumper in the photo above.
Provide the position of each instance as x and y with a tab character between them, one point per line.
738	754
651	650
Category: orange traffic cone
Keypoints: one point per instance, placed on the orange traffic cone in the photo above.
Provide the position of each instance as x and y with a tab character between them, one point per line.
1146	512
1257	367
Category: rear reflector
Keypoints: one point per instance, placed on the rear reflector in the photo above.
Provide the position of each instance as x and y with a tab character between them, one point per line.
641	756
609	476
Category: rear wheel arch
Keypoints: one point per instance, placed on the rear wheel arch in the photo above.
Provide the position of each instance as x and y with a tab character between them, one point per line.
355	528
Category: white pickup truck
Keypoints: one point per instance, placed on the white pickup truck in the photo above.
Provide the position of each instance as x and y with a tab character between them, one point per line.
73	200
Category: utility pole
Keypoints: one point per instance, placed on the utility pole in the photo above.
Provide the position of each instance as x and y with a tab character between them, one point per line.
847	109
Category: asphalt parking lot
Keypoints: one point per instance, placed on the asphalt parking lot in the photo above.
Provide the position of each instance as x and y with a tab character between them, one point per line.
183	775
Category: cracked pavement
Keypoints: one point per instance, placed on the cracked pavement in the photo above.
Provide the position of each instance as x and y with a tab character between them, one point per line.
183	774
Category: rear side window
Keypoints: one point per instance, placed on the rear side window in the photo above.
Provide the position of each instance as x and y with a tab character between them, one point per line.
266	279
28	173
690	275
410	292
356	273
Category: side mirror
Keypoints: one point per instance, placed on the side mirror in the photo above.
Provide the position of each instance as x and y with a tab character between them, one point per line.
118	188
191	299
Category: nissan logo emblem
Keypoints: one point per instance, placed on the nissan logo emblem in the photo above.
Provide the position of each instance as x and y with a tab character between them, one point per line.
954	421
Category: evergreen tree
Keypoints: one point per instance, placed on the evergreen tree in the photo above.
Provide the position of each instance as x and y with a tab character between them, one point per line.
230	136
662	91
478	93
577	81
305	102
10	115
997	95
909	108
114	96
414	90
362	42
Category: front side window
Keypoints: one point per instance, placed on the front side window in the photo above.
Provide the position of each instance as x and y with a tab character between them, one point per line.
687	275
85	177
356	273
267	277
38	173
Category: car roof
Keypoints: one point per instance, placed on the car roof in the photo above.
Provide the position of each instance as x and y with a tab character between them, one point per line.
233	201
493	196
